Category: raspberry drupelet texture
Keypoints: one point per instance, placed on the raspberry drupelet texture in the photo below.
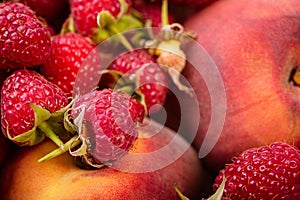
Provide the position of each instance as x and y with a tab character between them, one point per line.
110	121
268	172
24	39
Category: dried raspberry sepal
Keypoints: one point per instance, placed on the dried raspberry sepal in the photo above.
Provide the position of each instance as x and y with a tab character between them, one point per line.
167	47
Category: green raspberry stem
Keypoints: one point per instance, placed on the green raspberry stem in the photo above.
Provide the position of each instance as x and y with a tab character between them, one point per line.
73	142
122	38
45	128
164	13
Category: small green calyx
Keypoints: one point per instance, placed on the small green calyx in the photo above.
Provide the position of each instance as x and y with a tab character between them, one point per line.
105	18
35	135
167	47
45	125
129	22
42	116
68	26
172	46
108	25
29	138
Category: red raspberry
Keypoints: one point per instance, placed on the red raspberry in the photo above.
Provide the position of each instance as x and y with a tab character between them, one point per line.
152	13
24	39
146	72
85	12
18	117
268	172
109	123
67	55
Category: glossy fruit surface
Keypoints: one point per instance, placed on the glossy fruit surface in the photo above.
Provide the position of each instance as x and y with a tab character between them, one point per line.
267	172
109	123
68	53
24	39
19	90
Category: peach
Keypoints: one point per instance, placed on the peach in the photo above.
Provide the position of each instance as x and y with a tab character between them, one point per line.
256	48
143	178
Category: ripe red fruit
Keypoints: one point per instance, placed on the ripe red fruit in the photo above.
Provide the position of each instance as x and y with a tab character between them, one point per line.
267	172
27	102
246	106
152	13
51	10
24	39
67	55
106	121
150	78
85	12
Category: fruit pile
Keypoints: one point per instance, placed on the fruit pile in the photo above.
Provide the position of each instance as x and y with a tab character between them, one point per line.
71	121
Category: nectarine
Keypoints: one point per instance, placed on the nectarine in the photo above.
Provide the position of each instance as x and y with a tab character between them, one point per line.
24	178
256	47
